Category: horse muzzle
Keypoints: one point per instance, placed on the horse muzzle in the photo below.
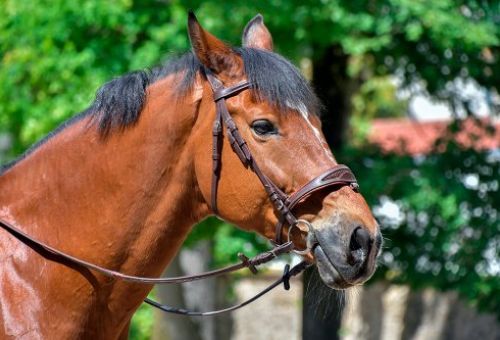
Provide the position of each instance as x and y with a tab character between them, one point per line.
345	253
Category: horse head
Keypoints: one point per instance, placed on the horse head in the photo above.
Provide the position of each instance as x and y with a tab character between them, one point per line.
278	119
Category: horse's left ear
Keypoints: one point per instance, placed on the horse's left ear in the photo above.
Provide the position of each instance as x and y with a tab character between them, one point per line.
210	51
257	35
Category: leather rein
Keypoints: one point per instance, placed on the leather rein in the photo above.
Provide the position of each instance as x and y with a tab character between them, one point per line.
336	177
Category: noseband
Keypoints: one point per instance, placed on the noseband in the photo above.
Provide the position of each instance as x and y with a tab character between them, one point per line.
335	177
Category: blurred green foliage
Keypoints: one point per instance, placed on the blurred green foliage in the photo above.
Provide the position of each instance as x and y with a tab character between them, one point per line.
141	326
55	54
443	230
229	241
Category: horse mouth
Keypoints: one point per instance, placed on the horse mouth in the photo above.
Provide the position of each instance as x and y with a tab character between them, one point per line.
327	271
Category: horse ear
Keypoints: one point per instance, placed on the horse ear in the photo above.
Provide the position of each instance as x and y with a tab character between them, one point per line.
257	35
211	52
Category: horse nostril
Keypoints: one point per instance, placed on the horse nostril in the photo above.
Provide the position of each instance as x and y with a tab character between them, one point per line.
360	239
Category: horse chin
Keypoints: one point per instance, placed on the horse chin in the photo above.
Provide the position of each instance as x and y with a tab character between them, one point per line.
327	271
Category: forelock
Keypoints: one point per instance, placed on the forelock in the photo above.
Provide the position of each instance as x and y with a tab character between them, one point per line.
277	81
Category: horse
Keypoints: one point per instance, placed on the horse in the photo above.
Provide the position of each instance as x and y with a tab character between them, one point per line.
122	184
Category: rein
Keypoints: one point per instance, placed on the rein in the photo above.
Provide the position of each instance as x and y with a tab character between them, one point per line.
250	263
335	177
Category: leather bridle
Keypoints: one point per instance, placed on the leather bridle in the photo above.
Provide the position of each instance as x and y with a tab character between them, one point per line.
336	177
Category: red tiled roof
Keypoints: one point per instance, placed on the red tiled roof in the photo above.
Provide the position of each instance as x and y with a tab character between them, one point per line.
411	137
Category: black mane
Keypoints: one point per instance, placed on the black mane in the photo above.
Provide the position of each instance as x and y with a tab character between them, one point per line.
119	102
274	79
277	81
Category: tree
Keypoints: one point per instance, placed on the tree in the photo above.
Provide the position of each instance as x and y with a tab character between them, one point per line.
446	234
56	55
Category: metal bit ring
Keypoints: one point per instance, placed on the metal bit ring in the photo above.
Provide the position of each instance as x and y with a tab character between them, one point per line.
309	239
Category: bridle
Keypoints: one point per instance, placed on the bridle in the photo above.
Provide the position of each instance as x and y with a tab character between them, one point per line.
336	177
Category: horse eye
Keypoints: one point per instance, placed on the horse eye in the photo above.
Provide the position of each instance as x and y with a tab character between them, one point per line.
263	127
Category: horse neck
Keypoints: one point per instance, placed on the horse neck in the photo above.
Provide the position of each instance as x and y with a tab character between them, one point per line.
126	201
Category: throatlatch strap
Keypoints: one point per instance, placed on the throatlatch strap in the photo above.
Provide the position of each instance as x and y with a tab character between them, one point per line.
216	158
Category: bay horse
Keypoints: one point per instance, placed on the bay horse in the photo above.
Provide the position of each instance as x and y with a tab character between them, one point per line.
122	184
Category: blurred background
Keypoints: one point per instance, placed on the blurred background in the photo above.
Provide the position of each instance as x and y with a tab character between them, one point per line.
410	89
